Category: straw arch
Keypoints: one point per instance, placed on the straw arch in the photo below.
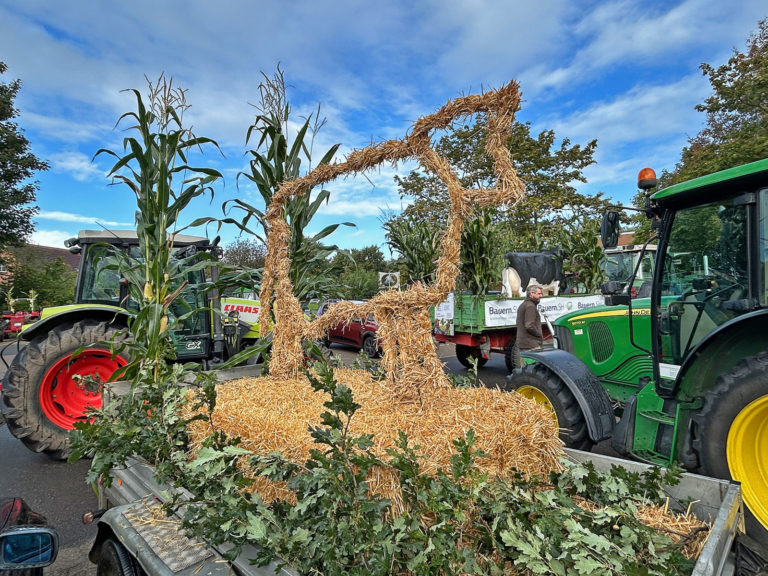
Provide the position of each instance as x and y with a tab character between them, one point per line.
410	359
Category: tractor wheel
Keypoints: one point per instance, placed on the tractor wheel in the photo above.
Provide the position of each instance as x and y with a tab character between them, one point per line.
43	395
512	357
370	346
464	353
115	560
731	437
539	383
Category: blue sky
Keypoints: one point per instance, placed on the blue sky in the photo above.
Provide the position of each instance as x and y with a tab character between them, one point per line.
623	72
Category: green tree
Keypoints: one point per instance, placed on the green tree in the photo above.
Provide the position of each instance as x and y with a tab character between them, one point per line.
246	253
737	114
274	161
548	169
736	125
53	281
17	165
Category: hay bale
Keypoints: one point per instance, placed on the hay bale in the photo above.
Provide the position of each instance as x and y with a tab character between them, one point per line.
273	415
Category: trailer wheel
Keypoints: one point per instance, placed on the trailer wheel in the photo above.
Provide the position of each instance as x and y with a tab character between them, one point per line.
43	395
539	383
115	560
464	353
370	346
731	437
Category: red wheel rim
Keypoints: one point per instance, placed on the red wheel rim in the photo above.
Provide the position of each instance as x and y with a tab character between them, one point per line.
63	398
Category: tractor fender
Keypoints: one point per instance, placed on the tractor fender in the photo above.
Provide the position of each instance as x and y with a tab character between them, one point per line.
73	314
584	385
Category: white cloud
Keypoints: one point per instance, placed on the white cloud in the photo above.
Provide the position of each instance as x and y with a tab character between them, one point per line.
67	217
78	165
642	113
53	238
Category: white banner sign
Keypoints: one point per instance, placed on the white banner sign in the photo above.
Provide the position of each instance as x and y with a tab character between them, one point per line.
504	312
444	317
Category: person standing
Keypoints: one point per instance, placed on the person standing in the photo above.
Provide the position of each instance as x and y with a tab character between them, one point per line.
529	334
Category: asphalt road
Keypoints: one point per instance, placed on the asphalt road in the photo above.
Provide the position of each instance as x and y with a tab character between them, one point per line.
59	492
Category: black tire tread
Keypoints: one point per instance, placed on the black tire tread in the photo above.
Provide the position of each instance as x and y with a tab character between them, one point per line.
114	560
464	353
733	390
20	406
369	343
573	424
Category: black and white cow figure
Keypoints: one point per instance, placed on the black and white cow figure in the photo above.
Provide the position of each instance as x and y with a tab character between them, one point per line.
526	268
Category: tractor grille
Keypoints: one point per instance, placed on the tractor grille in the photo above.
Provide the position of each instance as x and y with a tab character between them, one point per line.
564	338
601	341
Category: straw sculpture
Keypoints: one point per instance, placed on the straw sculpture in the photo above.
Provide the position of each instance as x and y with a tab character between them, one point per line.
273	413
409	356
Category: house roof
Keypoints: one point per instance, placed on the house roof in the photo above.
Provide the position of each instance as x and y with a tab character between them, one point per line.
49	254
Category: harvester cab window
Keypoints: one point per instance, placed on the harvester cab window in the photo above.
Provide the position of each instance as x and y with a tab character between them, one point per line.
706	281
188	308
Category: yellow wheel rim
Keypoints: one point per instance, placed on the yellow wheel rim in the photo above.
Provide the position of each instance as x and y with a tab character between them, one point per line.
538	396
747	452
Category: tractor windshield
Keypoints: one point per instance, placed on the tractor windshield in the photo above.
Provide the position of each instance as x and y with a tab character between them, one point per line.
706	280
100	284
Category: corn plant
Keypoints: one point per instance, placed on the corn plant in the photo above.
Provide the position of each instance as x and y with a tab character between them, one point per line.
417	242
154	166
480	255
582	253
275	160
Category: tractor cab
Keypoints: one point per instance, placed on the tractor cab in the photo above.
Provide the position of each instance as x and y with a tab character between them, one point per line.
108	256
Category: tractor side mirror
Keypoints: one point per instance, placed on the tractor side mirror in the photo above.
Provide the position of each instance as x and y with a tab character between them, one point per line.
609	229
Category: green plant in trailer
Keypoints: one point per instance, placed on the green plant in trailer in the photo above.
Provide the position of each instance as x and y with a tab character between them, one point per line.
274	161
155	167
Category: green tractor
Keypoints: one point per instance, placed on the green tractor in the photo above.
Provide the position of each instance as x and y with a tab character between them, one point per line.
682	375
44	392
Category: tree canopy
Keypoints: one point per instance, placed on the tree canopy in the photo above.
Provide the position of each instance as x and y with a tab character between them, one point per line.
246	253
17	166
737	114
550	169
736	125
52	280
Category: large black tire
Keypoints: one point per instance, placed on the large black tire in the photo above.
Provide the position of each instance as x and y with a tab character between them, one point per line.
738	405
464	353
39	404
114	560
370	346
539	383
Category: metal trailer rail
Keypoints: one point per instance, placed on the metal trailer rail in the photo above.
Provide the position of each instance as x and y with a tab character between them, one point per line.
163	550
713	500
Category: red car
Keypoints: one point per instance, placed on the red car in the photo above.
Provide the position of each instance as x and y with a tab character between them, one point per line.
360	333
